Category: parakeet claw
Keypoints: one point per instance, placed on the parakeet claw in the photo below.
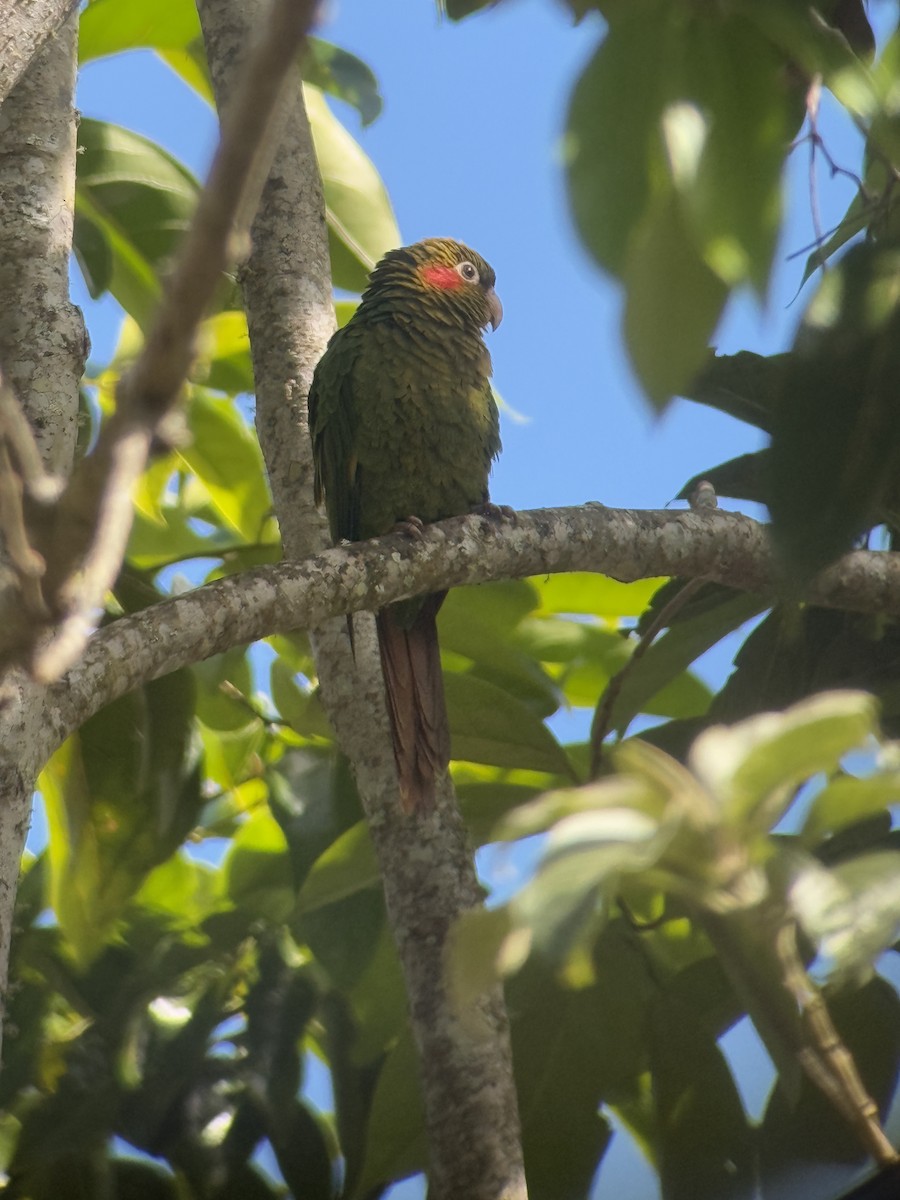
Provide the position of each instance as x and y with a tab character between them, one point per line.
413	527
501	513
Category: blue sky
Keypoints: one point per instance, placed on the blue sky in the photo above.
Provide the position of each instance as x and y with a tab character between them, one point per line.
468	146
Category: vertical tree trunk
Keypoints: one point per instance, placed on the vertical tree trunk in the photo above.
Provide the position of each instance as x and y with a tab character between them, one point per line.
42	352
427	867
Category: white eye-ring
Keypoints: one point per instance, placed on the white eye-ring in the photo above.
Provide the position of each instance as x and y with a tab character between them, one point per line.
468	271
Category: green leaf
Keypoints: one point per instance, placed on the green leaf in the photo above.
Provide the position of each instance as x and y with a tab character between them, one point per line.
257	870
805	1133
301	1150
216	707
673	301
361	223
109	27
223	354
613	148
743	478
396	1145
745	385
225	457
587	854
673	652
854	220
850	911
726	137
836	437
587	592
489	725
121	794
346	867
139	200
478	624
574	1050
752	768
343	75
704	1142
845	800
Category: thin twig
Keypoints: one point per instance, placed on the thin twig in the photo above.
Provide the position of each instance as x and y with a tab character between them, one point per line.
826	1060
94	518
603	715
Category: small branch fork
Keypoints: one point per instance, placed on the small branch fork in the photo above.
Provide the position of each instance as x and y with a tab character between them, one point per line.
826	1060
66	548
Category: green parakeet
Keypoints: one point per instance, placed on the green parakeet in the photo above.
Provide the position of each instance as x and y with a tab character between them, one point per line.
404	429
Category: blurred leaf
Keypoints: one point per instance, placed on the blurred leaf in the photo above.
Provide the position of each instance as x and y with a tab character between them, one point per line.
396	1145
109	27
704	1142
574	1050
139	200
361	224
613	149
586	855
674	651
346	867
594	594
216	706
301	1151
489	725
121	794
745	385
850	911
257	869
752	768
743	478
342	75
726	136
808	1134
836	437
673	302
226	458
845	800
223	354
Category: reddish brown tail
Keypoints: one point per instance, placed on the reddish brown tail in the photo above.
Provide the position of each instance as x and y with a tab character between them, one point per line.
411	664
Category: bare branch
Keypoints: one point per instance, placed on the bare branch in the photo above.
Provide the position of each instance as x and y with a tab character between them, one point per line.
87	543
825	1058
626	544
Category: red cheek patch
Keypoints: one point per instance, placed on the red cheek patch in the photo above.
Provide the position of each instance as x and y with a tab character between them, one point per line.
442	277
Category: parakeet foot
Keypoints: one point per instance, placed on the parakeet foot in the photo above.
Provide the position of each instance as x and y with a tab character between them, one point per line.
413	527
501	513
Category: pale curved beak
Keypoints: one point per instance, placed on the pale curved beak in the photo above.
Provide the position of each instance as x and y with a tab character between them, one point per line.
495	307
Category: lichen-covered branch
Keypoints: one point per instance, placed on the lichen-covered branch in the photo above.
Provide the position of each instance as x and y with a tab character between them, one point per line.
627	544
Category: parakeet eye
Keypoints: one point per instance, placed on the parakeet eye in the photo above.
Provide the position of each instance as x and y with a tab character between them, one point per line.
468	271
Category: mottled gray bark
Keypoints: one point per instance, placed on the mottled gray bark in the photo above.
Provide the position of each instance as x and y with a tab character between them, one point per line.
623	543
24	27
42	346
42	350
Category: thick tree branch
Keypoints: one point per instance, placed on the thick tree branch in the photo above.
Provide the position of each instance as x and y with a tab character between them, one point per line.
627	544
24	28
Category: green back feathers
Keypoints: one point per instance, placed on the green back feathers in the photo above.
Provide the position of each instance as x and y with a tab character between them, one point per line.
402	416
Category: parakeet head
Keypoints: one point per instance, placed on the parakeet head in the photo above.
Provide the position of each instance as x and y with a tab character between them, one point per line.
443	279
